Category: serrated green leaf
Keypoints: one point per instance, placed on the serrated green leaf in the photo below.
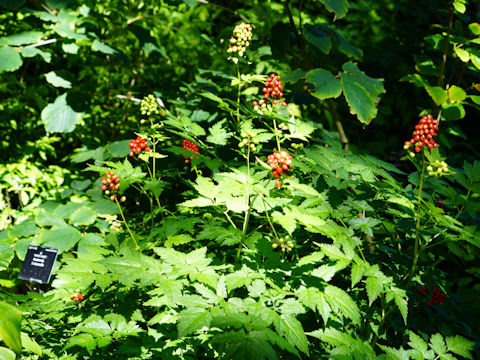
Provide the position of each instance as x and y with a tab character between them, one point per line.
460	346
357	273
192	320
290	328
402	305
218	135
417	343
374	288
437	343
10	324
326	85
338	298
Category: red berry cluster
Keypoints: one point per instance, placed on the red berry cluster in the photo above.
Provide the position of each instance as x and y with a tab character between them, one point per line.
77	296
438	297
137	145
424	132
190	145
280	162
111	184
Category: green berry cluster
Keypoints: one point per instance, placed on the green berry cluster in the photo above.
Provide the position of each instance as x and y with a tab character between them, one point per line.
149	106
297	146
283	243
242	35
438	168
249	139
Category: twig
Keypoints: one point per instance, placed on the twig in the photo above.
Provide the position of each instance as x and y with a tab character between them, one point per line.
338	124
131	98
41	43
445	50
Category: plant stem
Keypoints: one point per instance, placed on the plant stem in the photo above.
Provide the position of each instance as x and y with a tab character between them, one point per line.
445	50
417	244
338	124
275	131
126	225
238	93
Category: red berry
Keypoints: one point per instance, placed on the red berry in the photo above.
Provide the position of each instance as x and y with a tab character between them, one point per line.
278	183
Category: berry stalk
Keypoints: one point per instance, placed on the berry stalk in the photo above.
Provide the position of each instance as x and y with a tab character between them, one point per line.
126	225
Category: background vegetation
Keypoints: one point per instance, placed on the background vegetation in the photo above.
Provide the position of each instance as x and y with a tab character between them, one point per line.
364	250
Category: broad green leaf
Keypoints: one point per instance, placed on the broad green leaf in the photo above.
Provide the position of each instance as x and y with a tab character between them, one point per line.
437	343
10	324
459	7
339	7
30	345
83	216
11	59
462	54
103	48
86	341
460	346
44	218
6	354
454	111
59	116
286	221
361	92
374	288
192	320
31	52
456	94
290	328
24	38
190	3
341	300
62	238
474	28
57	81
438	94
326	85
318	38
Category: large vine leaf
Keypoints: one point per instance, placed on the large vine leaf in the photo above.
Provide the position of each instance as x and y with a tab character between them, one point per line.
339	7
326	84
10	323
59	116
361	92
11	59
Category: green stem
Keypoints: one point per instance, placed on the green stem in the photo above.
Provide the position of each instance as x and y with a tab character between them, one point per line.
417	244
465	203
126	225
238	93
275	131
247	212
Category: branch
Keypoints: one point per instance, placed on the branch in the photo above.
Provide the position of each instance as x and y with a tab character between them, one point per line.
41	43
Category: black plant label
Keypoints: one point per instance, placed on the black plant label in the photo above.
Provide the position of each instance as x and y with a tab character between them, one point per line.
38	264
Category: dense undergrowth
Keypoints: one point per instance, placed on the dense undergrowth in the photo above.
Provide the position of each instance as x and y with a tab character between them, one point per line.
255	180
